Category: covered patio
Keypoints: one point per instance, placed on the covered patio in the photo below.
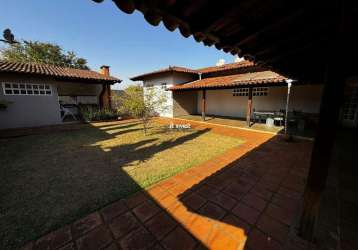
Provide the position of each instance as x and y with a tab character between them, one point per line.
260	100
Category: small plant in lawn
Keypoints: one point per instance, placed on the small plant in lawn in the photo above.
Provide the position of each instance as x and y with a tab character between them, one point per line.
91	113
142	104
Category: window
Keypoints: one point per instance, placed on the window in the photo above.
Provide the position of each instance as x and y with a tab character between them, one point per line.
261	91
164	86
26	89
240	92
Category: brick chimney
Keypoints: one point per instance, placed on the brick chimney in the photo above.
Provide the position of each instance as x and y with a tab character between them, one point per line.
105	98
104	70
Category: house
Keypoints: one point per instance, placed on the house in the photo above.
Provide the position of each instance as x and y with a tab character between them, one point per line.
233	90
33	92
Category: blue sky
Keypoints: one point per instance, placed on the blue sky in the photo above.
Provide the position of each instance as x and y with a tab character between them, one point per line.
103	34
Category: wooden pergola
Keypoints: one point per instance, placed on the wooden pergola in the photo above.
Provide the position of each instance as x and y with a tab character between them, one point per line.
309	41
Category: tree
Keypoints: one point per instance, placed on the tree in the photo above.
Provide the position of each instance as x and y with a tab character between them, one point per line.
143	105
40	52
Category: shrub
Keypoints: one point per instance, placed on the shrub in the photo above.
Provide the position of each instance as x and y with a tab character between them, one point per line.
93	113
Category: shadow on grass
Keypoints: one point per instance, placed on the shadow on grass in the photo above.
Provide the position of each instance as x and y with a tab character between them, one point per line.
63	180
73	180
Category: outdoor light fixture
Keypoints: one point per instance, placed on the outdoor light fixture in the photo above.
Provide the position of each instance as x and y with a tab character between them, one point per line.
289	85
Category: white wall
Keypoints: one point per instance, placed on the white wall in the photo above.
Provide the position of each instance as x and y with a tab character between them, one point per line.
170	79
222	102
28	110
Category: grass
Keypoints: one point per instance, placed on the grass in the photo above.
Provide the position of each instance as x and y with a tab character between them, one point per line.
49	180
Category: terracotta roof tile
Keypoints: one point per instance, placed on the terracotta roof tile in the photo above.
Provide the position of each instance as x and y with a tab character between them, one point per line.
169	69
228	66
205	70
255	78
55	71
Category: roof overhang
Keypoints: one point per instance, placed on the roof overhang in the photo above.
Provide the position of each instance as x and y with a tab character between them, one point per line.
291	36
252	79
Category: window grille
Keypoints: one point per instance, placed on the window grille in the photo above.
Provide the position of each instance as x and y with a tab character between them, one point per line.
26	89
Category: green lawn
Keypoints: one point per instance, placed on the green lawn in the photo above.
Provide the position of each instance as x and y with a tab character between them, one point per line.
48	180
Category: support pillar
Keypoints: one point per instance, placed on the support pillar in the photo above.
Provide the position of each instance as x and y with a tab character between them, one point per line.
331	100
332	96
203	104
249	108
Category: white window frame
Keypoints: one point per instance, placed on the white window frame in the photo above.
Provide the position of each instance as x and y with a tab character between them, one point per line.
240	92
258	91
27	89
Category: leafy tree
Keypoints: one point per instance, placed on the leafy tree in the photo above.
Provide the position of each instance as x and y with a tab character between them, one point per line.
40	52
143	105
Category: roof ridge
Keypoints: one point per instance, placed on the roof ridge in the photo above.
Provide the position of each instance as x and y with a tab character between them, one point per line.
54	71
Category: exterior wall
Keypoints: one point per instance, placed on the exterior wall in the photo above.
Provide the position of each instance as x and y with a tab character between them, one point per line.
222	102
34	111
185	103
29	111
170	79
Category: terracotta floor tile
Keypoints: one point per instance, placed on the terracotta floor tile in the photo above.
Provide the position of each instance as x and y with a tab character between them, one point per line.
156	192
212	211
261	192
43	243
219	240
207	191
161	224
96	239
146	210
113	246
281	214
113	210
235	226
86	224
178	189
167	200
254	201
61	236
286	203
273	228
234	190
246	213
136	199
122	225
167	184
181	213
259	241
223	200
289	193
138	239
179	239
194	201
200	227
70	246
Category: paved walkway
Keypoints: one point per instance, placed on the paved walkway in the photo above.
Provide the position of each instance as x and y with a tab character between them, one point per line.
246	198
